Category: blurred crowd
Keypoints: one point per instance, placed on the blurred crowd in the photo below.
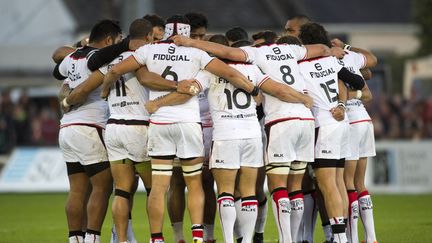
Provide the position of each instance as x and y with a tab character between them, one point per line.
35	121
27	122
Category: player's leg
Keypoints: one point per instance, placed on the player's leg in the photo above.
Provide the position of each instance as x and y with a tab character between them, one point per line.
124	177
161	176
176	202
341	187
365	202
249	202
76	201
225	181
353	213
102	184
262	206
209	205
325	221
310	204
296	197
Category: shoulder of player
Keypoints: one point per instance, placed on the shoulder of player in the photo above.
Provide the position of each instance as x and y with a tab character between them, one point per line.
315	59
83	52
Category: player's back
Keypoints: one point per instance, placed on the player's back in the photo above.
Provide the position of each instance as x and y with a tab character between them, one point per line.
174	63
94	110
279	61
321	75
127	96
232	109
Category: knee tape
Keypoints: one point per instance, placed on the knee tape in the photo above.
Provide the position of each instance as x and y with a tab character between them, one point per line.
162	169
298	168
278	168
121	193
192	170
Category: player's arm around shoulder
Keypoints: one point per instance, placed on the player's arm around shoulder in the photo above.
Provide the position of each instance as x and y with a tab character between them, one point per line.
285	92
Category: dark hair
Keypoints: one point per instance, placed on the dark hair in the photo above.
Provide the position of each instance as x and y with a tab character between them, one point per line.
196	20
155	20
220	39
268	36
236	34
289	39
313	33
177	19
103	29
140	28
241	43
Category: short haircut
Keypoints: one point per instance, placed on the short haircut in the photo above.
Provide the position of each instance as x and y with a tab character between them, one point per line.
103	29
155	20
220	39
236	34
177	19
241	43
313	33
140	28
302	18
196	20
289	39
268	36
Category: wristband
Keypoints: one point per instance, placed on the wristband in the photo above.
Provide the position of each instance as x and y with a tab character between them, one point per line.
341	104
359	94
64	103
255	91
347	47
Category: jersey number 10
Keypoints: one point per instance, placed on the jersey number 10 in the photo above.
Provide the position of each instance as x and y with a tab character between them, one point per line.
234	100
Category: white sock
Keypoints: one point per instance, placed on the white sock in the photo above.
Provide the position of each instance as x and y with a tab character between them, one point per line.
113	234
297	209
248	216
309	216
76	239
281	212
237	228
178	231
91	238
352	232
130	233
227	215
209	231
366	214
328	234
262	216
338	229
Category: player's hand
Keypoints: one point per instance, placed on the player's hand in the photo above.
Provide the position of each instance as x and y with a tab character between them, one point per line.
151	107
84	41
104	93
337	52
338	113
307	101
181	40
337	43
64	108
186	87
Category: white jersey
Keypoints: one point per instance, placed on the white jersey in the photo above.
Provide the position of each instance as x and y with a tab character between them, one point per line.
233	110
321	75
174	63
205	115
94	110
127	96
355	109
279	61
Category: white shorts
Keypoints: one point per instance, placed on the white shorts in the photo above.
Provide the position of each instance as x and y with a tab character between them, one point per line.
291	140
333	141
233	154
208	137
362	140
83	144
126	142
184	140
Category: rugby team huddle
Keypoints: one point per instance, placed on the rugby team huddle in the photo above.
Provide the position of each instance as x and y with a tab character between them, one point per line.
181	108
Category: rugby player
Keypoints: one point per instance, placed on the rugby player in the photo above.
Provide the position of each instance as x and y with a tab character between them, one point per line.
362	144
332	133
266	36
171	133
236	34
158	24
81	140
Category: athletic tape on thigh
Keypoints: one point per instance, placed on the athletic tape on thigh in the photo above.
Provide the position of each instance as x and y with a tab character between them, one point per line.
278	168
162	169
191	170
121	193
74	168
93	169
298	168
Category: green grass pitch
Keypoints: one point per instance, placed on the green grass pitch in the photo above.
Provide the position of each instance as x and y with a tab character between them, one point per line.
40	218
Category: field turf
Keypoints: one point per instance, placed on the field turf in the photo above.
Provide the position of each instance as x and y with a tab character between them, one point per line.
40	218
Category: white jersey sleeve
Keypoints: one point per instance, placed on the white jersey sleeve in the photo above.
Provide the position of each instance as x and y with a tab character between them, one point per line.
140	54
300	52
64	65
